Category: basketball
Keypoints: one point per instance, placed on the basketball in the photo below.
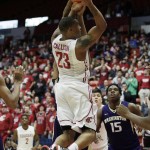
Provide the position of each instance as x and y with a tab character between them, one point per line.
77	5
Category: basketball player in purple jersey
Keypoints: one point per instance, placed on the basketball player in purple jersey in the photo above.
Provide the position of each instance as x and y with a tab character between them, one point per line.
120	131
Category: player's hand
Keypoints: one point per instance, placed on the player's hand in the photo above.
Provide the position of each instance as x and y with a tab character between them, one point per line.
80	12
87	2
122	111
76	7
18	74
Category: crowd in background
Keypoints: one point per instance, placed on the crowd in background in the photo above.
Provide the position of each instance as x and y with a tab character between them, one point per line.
115	58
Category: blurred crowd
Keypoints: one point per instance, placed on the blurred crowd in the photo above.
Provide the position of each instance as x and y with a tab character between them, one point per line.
115	58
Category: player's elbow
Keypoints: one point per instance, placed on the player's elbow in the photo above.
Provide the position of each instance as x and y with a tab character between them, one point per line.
12	103
103	26
14	106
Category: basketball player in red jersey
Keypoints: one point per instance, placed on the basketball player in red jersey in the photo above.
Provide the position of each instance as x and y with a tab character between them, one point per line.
73	94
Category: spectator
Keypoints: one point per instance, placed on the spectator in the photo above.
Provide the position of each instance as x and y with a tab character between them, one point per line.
40	123
39	87
27	33
124	65
28	111
132	85
144	86
28	79
8	83
36	104
94	82
17	115
50	118
139	72
133	42
126	95
103	88
103	71
6	122
120	76
101	142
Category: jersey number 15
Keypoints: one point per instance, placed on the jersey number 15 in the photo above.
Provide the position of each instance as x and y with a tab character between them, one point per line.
116	127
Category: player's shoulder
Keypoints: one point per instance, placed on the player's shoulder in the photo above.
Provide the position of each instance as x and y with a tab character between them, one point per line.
83	42
131	106
31	128
125	103
56	37
19	128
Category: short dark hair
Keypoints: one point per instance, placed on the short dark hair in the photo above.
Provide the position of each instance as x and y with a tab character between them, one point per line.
116	86
65	23
25	114
96	90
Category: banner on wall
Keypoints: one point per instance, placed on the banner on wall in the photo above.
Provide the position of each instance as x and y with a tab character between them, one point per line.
146	28
17	33
137	22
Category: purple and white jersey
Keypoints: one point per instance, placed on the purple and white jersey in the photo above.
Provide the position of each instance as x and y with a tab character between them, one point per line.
120	131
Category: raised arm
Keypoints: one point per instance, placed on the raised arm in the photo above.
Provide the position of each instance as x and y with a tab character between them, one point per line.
66	12
143	122
81	21
85	42
11	99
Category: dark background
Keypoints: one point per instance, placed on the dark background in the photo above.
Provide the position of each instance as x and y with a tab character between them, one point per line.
22	9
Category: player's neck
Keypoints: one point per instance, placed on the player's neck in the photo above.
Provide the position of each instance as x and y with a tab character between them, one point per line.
113	105
25	127
65	37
